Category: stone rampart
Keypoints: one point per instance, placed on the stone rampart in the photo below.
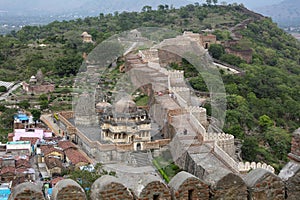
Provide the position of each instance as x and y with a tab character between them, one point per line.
199	113
247	166
224	141
224	156
186	186
258	184
68	189
264	185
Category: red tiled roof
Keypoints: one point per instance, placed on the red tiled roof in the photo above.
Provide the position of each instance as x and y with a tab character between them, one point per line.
51	139
21	170
66	145
75	156
47	149
22	163
32	140
8	169
53	162
56	180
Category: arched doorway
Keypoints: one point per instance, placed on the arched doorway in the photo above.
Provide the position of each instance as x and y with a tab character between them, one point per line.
206	45
138	146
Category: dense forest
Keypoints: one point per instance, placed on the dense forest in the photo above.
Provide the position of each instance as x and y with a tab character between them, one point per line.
263	105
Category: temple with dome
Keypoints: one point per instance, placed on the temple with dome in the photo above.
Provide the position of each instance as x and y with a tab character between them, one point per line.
124	122
37	85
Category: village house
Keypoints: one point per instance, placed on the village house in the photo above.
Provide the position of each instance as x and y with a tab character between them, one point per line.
19	148
75	158
33	141
16	169
30	133
50	150
22	121
54	166
7	161
7	174
66	144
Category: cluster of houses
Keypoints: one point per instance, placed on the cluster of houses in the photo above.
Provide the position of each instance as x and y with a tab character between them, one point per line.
35	155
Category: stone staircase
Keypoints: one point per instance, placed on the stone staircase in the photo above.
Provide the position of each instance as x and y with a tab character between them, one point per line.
140	159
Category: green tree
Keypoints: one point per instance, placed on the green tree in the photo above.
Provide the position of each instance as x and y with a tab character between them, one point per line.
279	141
43	97
36	114
161	7
147	9
250	148
3	89
24	104
2	108
265	122
231	59
216	50
44	104
7	118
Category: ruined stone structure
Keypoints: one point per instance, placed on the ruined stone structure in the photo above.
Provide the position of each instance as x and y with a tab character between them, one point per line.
37	85
243	54
204	40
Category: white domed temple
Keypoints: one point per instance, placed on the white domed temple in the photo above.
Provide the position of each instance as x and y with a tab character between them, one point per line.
124	123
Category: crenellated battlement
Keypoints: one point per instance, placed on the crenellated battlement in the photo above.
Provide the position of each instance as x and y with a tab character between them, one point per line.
247	166
260	184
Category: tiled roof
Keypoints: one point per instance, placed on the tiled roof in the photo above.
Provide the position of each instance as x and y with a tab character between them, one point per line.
47	149
56	180
51	139
22	163
21	170
66	145
75	156
32	140
8	169
53	162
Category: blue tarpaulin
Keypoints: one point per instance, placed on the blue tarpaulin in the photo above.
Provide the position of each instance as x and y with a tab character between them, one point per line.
21	117
4	193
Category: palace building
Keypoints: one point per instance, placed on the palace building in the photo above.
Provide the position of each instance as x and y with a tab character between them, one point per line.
124	123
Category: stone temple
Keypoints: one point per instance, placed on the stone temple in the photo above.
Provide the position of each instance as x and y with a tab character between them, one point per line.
125	123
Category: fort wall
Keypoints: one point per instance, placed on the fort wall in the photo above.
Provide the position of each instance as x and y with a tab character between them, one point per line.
258	184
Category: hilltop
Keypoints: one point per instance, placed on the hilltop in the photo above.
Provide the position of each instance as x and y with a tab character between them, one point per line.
263	104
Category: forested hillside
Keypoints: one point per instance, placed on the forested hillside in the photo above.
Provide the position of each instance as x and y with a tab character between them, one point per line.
263	104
